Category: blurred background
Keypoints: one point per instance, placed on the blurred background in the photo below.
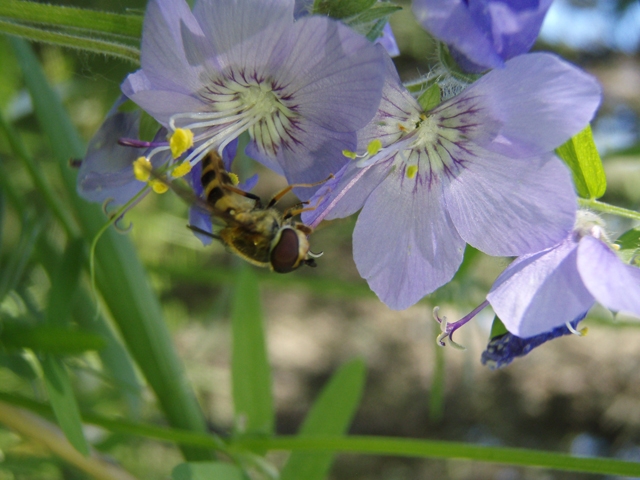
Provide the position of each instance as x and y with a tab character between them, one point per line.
574	394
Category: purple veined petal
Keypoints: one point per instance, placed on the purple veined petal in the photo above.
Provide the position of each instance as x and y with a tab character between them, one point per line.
540	101
106	171
388	41
540	292
452	22
229	154
244	33
316	153
173	46
404	243
345	194
201	219
332	74
612	282
507	207
160	104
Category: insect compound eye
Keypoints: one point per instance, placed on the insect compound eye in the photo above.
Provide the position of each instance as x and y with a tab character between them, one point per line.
285	254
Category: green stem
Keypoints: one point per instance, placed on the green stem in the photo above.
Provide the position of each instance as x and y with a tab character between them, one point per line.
72	41
58	16
406	447
611	209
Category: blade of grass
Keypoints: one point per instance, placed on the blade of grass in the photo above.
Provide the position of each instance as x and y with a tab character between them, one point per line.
331	414
63	401
251	375
59	16
120	276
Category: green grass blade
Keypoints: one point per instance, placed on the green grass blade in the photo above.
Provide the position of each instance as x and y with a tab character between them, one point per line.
58	16
331	414
48	339
251	375
207	471
64	284
63	402
120	277
78	42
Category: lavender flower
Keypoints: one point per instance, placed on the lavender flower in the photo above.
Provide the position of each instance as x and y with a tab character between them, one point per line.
301	89
483	34
478	168
545	290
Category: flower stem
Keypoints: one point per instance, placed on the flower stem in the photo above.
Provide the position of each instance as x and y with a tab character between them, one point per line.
611	209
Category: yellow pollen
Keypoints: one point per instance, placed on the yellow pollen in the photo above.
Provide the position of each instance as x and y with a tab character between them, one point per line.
158	186
350	154
374	146
181	170
234	178
142	169
411	171
180	141
402	128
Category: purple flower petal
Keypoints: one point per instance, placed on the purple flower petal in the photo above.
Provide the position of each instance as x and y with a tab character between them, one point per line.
333	74
504	349
249	30
508	207
160	104
540	292
163	57
540	102
481	34
106	171
612	282
388	41
404	243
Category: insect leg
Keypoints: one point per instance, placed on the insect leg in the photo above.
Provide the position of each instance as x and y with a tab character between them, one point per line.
288	188
203	232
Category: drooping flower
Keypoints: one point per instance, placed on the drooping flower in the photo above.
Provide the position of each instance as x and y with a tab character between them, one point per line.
483	34
545	290
106	172
505	348
479	168
300	88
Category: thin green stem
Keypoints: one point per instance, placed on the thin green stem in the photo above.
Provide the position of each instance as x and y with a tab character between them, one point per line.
59	16
112	220
405	447
611	209
72	41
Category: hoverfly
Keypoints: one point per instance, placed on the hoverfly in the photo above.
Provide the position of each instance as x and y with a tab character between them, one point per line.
261	235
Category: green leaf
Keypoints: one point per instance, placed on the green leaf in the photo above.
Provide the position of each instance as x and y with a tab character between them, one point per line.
582	157
49	339
340	9
121	279
251	375
58	16
331	414
18	365
497	328
65	407
207	471
64	284
629	243
364	21
430	98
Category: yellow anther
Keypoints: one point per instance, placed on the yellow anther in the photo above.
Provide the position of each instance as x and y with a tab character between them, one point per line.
180	141
142	169
181	170
234	178
411	171
350	154
374	146
158	186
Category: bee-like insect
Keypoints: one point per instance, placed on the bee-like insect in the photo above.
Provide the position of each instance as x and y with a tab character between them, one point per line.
262	235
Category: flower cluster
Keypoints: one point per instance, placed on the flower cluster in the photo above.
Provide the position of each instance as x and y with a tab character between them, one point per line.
429	173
